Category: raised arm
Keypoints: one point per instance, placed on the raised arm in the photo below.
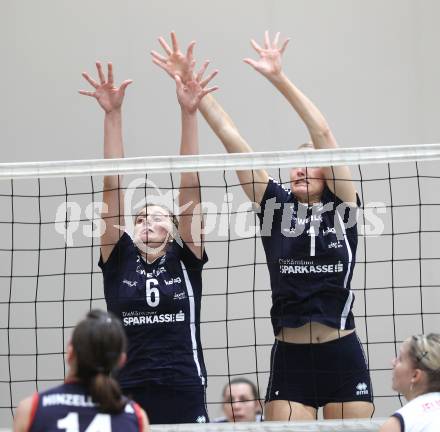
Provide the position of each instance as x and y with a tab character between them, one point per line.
175	63
269	64
253	182
110	99
189	95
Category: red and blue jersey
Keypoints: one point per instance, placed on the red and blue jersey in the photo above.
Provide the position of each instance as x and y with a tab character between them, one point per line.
69	407
159	306
310	252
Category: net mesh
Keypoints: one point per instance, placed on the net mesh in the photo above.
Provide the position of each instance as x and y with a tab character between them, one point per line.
49	253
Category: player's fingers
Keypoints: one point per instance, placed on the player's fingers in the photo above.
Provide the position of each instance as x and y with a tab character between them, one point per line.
91	81
86	93
206	80
165	46
100	72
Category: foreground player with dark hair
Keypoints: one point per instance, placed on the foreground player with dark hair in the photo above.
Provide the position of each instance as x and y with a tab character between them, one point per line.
416	375
317	359
90	399
153	282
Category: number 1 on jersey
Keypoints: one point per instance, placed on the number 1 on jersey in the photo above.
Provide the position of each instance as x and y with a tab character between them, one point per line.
152	293
312	240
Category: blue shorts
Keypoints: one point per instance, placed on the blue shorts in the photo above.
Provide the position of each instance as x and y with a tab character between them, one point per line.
318	374
170	405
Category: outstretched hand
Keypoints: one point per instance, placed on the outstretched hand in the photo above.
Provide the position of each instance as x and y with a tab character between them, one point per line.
109	97
269	63
190	94
175	62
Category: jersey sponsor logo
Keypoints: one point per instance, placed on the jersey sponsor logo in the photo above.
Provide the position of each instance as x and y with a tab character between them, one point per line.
201	419
334	245
152	274
361	389
129	283
329	230
140	319
140	270
156	272
173	281
67	399
301	267
180	296
303	221
293	261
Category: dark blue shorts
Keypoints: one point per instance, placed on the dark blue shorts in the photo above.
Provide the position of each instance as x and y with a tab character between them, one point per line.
170	405
318	374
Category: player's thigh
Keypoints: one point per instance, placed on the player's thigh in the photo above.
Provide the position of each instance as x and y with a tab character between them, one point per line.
283	410
355	409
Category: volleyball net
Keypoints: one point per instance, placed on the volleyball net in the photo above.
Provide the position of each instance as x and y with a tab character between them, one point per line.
49	278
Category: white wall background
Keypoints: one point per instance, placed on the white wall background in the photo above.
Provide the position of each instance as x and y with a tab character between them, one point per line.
372	67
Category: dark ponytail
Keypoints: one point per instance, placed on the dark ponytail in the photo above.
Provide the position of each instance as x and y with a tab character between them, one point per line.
98	342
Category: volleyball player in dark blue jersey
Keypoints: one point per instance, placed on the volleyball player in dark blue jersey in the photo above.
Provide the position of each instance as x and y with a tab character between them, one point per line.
153	280
90	399
310	243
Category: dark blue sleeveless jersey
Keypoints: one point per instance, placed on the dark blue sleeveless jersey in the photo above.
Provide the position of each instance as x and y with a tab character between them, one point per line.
310	253
159	306
69	407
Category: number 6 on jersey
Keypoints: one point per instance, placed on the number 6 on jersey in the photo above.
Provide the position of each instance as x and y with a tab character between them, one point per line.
152	293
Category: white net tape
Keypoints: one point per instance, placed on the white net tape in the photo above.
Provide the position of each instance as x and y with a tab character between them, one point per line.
309	426
312	426
216	162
